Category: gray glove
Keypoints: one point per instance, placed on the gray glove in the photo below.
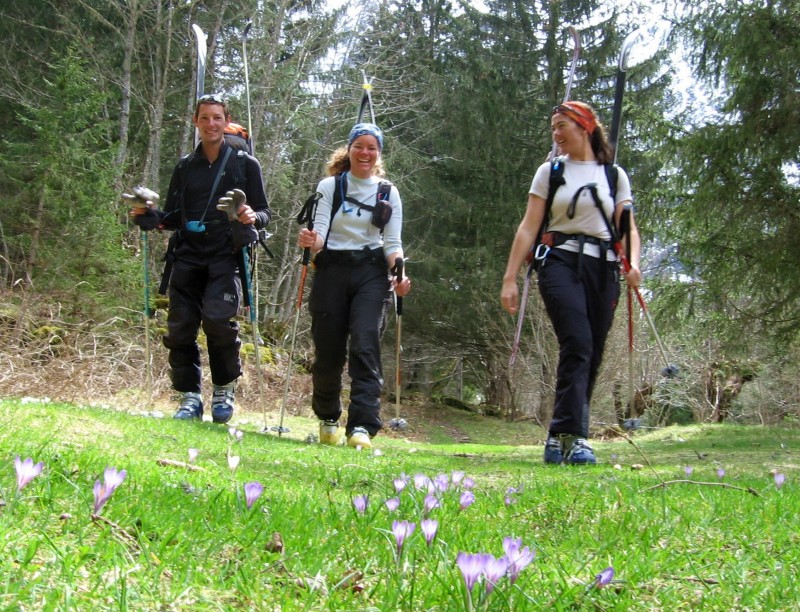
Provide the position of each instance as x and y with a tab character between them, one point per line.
231	203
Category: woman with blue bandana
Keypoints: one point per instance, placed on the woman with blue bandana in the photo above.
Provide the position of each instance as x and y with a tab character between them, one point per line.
351	291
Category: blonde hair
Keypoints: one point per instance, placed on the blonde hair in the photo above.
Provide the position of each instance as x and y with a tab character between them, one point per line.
340	162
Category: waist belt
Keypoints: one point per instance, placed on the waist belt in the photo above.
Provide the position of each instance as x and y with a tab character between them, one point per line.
349	258
555	239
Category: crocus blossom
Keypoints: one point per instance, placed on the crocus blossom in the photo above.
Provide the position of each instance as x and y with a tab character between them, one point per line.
401	530
400	484
457	476
102	491
392	504
193	452
421	482
429	528
466	500
471	567
720	473
430	503
688	469
494	569
441	483
252	491
518	557
26	471
360	503
604	578
779	480
233	461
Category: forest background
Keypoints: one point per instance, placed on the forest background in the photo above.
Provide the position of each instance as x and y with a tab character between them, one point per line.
97	96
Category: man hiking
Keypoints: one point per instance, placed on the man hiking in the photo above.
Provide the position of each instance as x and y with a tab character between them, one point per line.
206	253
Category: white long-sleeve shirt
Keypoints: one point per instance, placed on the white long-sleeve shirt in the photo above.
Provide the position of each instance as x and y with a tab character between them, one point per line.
351	229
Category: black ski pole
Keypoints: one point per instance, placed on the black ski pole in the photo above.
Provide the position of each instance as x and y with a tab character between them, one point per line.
307	214
245	32
397	423
576	51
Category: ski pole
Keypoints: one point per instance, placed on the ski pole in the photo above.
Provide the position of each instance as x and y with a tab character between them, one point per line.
366	99
576	51
245	32
139	199
230	205
307	214
397	423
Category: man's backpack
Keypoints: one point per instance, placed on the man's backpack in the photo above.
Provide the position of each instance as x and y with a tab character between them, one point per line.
237	136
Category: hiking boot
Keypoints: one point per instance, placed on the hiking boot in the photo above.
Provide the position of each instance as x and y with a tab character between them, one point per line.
222	403
191	407
329	433
578	451
552	451
359	438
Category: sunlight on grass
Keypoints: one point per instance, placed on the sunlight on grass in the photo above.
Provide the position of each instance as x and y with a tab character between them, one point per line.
416	526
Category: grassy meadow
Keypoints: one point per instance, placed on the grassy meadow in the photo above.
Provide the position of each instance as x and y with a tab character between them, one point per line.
700	517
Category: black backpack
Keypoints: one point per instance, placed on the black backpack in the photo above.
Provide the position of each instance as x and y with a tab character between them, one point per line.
557	179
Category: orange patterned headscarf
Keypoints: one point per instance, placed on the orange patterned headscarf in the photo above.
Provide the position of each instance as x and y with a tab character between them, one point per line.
580	113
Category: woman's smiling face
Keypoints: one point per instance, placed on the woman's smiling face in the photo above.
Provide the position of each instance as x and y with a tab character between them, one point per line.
364	154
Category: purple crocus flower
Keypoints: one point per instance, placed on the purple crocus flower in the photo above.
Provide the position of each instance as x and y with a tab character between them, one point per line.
494	570
233	462
429	529
720	473
466	500
360	502
779	479
430	503
471	567
518	558
400	484
604	578
457	476
401	530
468	483
26	471
193	452
392	504
252	491
441	483
421	482
688	469
102	492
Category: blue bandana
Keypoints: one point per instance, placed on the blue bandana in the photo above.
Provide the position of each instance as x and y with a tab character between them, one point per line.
362	129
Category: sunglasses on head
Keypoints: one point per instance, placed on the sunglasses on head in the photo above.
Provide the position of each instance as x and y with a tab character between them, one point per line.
211	99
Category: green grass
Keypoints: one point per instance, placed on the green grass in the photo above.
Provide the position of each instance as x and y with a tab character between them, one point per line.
174	539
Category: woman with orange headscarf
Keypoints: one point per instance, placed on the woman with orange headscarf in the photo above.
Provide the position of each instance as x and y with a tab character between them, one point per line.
579	276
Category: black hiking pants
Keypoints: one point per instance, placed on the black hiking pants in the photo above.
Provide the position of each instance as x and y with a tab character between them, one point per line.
349	299
203	290
581	308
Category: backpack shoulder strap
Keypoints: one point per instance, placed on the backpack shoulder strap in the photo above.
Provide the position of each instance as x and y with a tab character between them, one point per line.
612	175
556	180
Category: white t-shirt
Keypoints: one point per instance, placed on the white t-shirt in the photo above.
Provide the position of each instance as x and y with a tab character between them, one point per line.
351	229
586	219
